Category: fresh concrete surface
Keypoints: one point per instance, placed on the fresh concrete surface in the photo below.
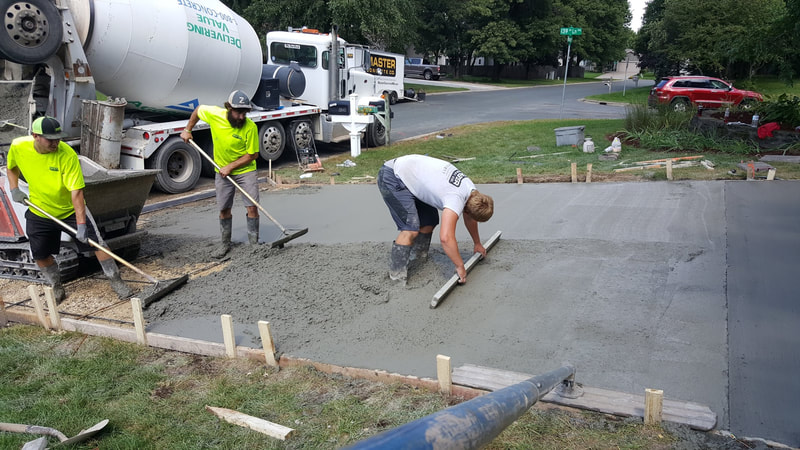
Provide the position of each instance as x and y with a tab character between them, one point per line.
629	282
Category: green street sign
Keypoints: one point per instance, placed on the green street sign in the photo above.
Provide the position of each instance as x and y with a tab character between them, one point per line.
569	39
571	31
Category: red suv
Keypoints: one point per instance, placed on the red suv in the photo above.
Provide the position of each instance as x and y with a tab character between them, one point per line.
680	92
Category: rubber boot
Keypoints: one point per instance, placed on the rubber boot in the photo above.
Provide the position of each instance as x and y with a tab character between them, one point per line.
252	230
225	245
53	276
112	273
419	249
398	263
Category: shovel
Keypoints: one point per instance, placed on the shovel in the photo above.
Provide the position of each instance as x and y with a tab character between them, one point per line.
159	288
47	431
7	124
287	236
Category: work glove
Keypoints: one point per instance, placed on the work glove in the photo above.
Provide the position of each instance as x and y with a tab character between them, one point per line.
81	235
18	195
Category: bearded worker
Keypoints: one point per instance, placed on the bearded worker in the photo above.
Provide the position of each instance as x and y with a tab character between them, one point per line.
235	139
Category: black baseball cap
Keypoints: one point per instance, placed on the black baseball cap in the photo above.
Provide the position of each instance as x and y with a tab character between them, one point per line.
48	128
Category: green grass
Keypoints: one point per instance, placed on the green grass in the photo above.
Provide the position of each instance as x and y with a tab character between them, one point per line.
500	148
433	88
156	399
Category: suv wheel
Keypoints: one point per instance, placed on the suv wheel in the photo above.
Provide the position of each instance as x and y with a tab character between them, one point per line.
680	104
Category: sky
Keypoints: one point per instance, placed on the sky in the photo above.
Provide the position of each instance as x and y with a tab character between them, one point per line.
637	9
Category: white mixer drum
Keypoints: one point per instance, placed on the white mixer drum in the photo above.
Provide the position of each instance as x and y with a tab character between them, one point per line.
168	56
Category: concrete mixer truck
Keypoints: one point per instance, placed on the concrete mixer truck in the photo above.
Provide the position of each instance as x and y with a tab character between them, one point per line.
165	57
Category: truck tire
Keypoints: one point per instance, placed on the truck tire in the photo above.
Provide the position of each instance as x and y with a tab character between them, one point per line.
301	133
392	97
428	75
203	139
376	134
272	140
32	30
179	166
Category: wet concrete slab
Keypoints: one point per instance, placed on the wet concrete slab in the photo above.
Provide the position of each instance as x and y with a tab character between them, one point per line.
627	281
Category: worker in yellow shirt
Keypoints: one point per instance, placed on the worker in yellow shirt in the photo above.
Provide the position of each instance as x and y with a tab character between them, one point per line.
235	139
55	184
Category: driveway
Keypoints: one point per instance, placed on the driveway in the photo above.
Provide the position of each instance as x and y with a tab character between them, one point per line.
682	286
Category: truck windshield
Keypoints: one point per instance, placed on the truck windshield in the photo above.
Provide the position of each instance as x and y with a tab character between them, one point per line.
285	53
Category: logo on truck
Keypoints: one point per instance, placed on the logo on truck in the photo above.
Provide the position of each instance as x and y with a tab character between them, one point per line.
382	65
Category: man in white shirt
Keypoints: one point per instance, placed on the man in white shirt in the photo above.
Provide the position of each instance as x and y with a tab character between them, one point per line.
415	188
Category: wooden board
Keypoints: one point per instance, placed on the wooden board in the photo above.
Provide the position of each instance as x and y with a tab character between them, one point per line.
697	416
453	281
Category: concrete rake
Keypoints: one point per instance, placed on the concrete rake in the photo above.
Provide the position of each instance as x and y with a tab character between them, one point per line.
159	289
287	235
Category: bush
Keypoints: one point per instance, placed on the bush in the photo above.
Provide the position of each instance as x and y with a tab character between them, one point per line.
785	110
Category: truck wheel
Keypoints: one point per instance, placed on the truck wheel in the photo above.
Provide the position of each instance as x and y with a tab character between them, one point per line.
376	134
203	139
272	140
179	166
427	75
393	97
32	30
302	134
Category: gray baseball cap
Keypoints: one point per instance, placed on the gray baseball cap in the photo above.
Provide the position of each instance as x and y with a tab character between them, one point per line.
239	100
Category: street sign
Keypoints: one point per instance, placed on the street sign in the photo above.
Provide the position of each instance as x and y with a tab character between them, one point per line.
571	31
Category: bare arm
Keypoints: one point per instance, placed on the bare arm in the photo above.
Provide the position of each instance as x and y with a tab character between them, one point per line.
472	228
186	134
13	177
80	206
447	237
241	161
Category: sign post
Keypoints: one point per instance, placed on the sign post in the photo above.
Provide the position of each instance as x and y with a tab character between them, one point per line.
568	32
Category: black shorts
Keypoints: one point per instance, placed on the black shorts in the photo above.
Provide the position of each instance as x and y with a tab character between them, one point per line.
408	212
44	235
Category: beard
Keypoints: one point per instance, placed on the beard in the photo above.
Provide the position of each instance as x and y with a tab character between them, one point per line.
236	123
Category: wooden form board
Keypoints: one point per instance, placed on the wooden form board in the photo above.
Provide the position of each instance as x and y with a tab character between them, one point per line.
697	416
453	281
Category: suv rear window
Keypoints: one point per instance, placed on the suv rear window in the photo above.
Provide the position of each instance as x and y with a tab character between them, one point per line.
661	83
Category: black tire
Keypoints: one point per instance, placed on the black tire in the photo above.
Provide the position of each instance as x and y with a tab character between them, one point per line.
393	97
428	75
376	134
680	104
748	103
179	166
32	30
272	140
204	141
302	134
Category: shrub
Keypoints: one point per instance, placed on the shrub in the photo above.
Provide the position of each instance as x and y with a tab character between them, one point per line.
785	110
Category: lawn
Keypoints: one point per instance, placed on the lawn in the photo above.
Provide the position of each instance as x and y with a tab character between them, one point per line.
156	399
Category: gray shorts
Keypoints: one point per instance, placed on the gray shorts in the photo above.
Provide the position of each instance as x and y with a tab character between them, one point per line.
408	212
226	190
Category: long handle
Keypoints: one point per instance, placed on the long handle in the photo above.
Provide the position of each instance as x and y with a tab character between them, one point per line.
249	197
93	243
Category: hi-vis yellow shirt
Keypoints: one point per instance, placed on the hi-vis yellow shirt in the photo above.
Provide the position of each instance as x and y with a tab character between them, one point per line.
51	177
230	143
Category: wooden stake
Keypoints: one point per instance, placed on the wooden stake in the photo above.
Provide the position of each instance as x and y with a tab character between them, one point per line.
771	174
278	179
589	173
444	374
254	423
37	305
333	181
653	402
138	321
269	174
228	336
3	319
55	319
519	175
267	343
669	169
574	171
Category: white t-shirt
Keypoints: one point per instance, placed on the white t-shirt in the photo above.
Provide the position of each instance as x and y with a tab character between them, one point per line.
433	181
